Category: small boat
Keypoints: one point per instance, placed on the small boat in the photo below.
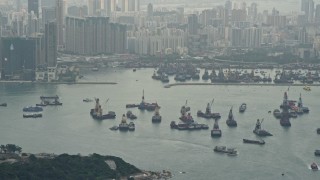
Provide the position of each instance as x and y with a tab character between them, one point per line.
123	126
87	100
95	69
231	122
243	107
216	132
253	141
3	105
277	113
114	128
317	152
32	109
307	88
42	104
134	70
157	117
35	115
318	131
131	126
314	166
131	116
224	149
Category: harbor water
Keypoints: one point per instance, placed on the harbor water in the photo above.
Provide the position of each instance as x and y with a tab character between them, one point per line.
187	154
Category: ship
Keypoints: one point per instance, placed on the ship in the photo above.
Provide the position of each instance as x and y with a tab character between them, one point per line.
231	122
50	101
224	149
260	132
205	76
208	114
277	113
156	118
317	152
285	117
3	105
124	126
34	115
243	107
314	166
216	132
131	126
186	117
301	107
318	131
130	115
97	114
32	109
147	106
261	142
188	126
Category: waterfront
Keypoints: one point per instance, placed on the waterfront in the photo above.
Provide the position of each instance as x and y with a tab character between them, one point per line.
70	129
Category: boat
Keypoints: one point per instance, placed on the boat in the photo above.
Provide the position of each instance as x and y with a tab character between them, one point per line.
317	152
35	115
97	114
114	128
260	132
134	70
307	88
314	166
124	126
32	109
208	114
285	117
132	105
243	107
301	107
224	149
231	122
261	142
147	106
50	101
95	69
155	76
205	76
173	125
42	104
318	131
130	115
156	118
277	113
216	132
131	126
87	100
3	105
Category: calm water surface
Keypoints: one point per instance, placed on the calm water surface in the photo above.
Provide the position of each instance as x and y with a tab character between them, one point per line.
70	129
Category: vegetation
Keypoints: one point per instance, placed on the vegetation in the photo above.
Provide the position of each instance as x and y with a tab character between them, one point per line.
67	167
10	148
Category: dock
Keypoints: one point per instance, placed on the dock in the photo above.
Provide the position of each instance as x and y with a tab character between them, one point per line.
234	84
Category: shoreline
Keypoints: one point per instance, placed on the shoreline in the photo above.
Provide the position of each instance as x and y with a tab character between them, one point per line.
69	83
234	84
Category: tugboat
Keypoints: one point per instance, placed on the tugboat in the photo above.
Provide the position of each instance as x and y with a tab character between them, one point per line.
131	126
253	141
260	132
243	107
318	131
130	115
285	117
156	118
123	126
317	152
314	166
147	106
230	121
208	114
216	132
96	113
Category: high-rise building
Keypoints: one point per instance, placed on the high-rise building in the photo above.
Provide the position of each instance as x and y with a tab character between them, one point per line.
60	22
307	6
110	6
94	7
150	10
51	44
33	5
125	5
48	15
317	14
193	24
47	3
18	5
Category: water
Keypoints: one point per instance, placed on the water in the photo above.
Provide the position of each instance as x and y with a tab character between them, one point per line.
70	129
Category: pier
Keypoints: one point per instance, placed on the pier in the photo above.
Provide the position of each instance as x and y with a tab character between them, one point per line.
234	84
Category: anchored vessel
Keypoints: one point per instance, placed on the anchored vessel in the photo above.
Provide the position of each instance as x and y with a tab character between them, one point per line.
285	117
216	132
32	109
243	107
156	118
317	152
49	101
3	104
208	114
35	115
147	106
314	166
253	141
130	115
260	132
224	149
231	122
96	113
124	126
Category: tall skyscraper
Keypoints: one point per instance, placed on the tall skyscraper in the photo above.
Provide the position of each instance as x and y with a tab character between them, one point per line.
51	44
94	7
110	6
124	5
18	5
47	3
307	6
33	5
48	15
59	21
150	10
193	24
317	14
